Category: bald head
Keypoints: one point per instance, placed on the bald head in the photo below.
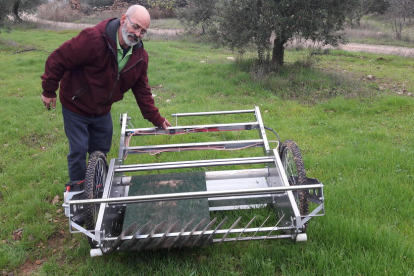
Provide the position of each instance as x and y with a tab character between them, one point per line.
140	13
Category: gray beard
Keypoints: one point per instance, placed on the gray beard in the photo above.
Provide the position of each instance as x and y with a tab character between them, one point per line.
125	35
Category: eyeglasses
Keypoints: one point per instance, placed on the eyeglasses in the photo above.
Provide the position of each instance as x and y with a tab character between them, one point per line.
136	27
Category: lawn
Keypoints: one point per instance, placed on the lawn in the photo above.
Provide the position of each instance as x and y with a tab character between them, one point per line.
350	113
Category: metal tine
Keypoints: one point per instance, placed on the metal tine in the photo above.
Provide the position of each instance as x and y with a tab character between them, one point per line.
195	229
274	227
179	235
260	226
202	233
131	243
127	232
234	225
164	237
241	233
148	239
215	230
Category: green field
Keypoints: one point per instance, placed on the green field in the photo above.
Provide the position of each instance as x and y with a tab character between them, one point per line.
351	114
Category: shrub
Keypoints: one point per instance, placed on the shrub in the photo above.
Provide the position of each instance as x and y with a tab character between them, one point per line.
58	11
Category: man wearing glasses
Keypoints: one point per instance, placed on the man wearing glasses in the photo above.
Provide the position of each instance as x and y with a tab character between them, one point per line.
94	70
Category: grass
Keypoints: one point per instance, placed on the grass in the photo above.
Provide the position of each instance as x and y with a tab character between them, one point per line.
355	134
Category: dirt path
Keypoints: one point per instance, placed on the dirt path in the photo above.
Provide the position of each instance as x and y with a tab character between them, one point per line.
351	47
80	26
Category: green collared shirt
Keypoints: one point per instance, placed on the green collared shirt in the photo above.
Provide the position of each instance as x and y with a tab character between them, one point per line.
122	60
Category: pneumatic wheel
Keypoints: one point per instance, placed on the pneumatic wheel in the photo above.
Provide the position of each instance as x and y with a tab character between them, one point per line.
292	162
95	178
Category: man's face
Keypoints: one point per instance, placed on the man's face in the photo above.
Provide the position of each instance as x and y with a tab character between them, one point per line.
129	37
134	29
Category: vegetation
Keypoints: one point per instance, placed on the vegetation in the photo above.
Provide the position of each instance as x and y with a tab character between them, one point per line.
350	113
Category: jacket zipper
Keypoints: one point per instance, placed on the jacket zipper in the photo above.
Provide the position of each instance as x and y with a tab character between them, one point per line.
79	92
116	82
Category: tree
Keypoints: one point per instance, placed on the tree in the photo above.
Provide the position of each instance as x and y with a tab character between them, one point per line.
198	12
5	10
20	6
15	8
401	12
245	21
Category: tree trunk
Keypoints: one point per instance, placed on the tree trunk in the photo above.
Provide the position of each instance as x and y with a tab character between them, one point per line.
16	11
278	53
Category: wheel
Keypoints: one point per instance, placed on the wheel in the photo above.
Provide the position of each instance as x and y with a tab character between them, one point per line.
95	178
295	171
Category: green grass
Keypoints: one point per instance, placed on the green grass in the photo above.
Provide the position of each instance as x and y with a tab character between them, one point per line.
355	135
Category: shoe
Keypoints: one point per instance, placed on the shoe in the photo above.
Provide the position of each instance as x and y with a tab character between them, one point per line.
73	186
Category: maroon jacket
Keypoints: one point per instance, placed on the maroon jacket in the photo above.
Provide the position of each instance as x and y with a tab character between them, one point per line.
87	69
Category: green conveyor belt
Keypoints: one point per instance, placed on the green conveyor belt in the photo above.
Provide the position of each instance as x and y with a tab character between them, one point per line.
171	211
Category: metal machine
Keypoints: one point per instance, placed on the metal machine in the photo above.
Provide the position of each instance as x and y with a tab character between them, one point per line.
254	193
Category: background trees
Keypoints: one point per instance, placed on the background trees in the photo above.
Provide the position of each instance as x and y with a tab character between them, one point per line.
16	7
244	21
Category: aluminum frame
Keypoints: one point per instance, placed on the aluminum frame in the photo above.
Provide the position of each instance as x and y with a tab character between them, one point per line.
278	191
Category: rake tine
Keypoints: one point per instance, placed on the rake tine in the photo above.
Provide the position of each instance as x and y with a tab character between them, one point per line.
134	239
241	233
127	232
164	237
195	229
274	227
260	226
215	230
205	229
148	239
179	235
234	225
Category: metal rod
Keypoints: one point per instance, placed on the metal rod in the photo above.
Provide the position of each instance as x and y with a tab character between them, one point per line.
197	146
236	174
179	129
192	162
193	195
231	227
205	229
274	226
216	231
247	226
179	235
222	175
191	233
195	164
255	238
212	113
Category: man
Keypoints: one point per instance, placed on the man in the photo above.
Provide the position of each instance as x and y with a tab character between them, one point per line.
94	70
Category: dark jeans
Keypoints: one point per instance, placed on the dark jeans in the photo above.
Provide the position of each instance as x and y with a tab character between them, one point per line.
85	135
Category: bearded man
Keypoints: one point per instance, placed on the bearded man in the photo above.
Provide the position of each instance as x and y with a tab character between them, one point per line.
94	70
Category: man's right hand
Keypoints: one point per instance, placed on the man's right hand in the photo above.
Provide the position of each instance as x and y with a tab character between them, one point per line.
47	101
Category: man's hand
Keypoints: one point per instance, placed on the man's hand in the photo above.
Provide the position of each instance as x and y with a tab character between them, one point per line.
47	101
166	124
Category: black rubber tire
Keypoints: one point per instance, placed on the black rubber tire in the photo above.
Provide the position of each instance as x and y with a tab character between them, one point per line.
95	178
292	162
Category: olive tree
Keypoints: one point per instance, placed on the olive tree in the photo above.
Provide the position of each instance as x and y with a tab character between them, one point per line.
198	13
254	21
5	10
401	12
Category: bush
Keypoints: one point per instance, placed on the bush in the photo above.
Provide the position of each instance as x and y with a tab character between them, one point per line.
58	11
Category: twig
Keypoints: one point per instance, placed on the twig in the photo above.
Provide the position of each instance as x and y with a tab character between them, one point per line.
28	49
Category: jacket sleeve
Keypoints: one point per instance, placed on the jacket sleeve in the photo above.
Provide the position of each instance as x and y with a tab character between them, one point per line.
73	53
143	96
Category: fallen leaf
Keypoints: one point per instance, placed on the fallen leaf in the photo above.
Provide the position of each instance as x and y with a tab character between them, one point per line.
55	200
